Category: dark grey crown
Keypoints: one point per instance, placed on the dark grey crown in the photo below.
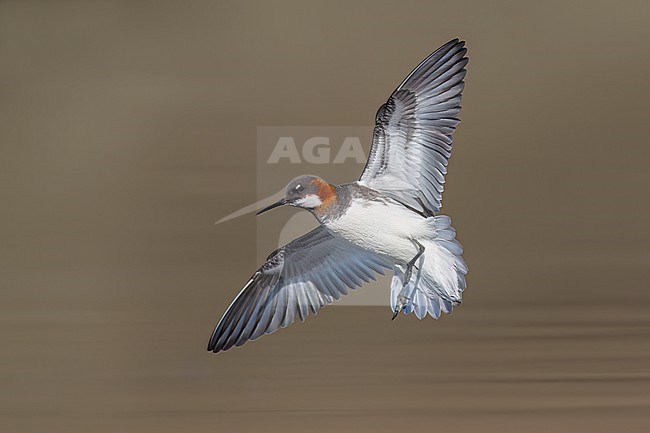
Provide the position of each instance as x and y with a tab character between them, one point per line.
302	186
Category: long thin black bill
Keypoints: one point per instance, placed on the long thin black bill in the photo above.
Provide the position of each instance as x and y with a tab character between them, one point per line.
278	203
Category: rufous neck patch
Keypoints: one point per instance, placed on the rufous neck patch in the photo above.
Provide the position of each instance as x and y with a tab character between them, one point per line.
326	193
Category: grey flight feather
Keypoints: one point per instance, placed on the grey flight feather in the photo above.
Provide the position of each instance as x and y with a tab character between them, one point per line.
412	138
303	276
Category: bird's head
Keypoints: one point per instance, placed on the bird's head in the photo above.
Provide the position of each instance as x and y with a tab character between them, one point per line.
307	192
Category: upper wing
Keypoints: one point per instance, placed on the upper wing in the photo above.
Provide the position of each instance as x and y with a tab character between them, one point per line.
413	131
306	274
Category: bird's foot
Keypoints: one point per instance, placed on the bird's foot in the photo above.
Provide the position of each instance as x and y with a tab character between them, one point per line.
401	303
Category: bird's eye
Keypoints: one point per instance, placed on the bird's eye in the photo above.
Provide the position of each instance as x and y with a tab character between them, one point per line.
298	188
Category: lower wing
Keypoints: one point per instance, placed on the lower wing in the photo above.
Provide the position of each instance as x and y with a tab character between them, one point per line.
303	276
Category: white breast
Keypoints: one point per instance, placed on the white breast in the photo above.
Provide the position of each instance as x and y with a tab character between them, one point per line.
385	228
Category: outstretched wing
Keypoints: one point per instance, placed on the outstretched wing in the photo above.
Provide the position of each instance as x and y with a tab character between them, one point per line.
304	275
413	131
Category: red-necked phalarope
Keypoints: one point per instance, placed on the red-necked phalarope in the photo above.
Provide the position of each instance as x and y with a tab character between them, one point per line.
385	220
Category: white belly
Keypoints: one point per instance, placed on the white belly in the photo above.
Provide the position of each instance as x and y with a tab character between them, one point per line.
383	228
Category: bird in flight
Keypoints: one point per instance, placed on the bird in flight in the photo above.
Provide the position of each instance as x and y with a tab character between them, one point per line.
388	219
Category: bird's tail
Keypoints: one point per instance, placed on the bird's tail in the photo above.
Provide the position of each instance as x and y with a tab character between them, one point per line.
438	279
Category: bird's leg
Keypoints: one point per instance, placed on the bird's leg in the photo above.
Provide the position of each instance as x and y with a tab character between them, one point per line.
402	299
411	264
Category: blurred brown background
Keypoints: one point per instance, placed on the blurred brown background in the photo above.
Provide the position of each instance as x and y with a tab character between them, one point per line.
128	128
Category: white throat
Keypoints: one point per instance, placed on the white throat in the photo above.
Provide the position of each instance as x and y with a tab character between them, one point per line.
311	201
